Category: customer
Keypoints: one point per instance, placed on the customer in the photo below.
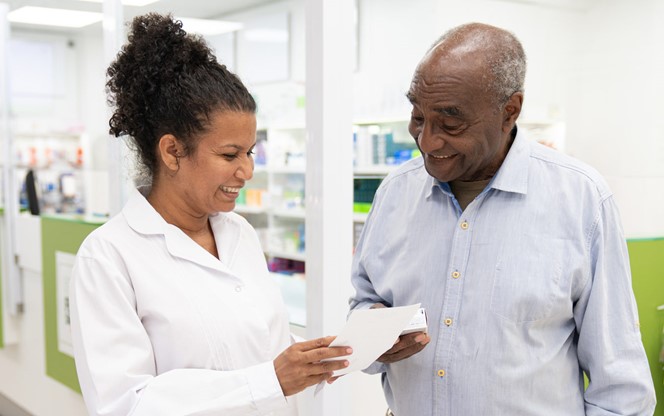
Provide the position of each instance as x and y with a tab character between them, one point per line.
515	250
173	310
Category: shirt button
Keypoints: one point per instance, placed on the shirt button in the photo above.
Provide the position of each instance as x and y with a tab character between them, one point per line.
464	225
448	321
238	289
456	275
441	373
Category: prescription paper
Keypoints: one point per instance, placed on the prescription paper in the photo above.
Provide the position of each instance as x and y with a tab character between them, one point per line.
370	332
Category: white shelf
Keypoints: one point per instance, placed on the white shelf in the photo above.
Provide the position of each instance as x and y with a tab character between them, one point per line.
287	169
248	209
47	135
296	213
378	170
359	217
291	255
378	121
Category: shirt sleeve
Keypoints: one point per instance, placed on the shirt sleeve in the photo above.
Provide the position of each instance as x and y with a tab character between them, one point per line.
116	365
610	349
365	295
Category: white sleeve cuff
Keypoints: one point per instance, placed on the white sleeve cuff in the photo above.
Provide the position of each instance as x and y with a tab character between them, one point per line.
265	389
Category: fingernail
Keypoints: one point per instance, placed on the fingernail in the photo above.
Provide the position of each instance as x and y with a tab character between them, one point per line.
346	363
419	338
349	350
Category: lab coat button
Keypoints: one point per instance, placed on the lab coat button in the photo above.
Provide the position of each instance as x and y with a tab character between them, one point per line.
456	275
464	225
448	321
441	373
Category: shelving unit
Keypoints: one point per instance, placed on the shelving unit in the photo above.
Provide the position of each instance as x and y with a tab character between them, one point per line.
274	200
56	158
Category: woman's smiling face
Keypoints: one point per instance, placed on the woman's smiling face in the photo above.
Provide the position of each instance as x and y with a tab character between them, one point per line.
211	176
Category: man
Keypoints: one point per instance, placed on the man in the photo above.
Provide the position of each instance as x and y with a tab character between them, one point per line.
515	250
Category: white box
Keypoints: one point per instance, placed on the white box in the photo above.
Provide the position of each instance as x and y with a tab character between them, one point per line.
417	324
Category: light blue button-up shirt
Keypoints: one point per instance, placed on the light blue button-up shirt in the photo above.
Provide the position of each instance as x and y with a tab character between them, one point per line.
525	290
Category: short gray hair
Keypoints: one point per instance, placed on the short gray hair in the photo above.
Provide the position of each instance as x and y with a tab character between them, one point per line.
503	54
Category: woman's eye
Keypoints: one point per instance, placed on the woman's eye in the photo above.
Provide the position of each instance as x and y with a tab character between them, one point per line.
250	153
230	156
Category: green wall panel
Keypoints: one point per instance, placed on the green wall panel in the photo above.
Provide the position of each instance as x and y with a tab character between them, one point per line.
647	263
58	235
2	333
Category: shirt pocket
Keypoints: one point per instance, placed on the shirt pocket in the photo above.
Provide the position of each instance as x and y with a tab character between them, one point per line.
528	283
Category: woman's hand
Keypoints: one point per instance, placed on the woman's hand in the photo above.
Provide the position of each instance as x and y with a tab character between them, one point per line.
300	366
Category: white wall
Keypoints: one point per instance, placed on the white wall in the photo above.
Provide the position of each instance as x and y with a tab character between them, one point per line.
614	106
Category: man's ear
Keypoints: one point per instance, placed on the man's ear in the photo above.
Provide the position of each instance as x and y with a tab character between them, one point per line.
170	152
511	111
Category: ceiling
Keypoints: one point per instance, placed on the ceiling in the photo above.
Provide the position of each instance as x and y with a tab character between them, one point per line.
180	8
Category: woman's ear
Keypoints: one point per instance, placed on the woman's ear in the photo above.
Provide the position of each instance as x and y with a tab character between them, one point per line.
170	152
511	111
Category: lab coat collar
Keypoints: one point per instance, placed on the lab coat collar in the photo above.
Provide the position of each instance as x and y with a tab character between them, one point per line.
144	219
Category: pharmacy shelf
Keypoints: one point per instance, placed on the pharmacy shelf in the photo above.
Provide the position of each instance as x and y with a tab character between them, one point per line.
291	255
299	170
296	213
249	209
374	170
360	217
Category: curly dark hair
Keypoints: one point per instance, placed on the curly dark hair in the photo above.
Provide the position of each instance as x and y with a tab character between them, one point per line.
167	81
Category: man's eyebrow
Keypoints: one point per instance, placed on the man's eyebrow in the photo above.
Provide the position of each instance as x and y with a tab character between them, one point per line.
449	111
411	97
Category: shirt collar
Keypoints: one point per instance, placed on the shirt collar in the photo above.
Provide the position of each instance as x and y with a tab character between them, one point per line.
141	216
144	219
512	176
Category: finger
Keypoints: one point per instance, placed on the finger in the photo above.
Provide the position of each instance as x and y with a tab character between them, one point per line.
320	354
314	343
331	366
315	379
402	354
403	342
333	379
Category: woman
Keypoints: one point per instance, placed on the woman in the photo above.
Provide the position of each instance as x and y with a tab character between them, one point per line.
173	311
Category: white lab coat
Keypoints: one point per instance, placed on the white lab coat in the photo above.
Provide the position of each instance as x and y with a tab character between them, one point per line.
162	327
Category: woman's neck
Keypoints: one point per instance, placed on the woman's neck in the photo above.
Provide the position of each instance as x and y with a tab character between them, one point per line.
175	210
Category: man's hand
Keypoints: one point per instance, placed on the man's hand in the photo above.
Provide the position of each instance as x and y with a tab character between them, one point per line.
405	346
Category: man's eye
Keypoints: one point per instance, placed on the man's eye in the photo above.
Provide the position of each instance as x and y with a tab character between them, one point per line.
230	156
